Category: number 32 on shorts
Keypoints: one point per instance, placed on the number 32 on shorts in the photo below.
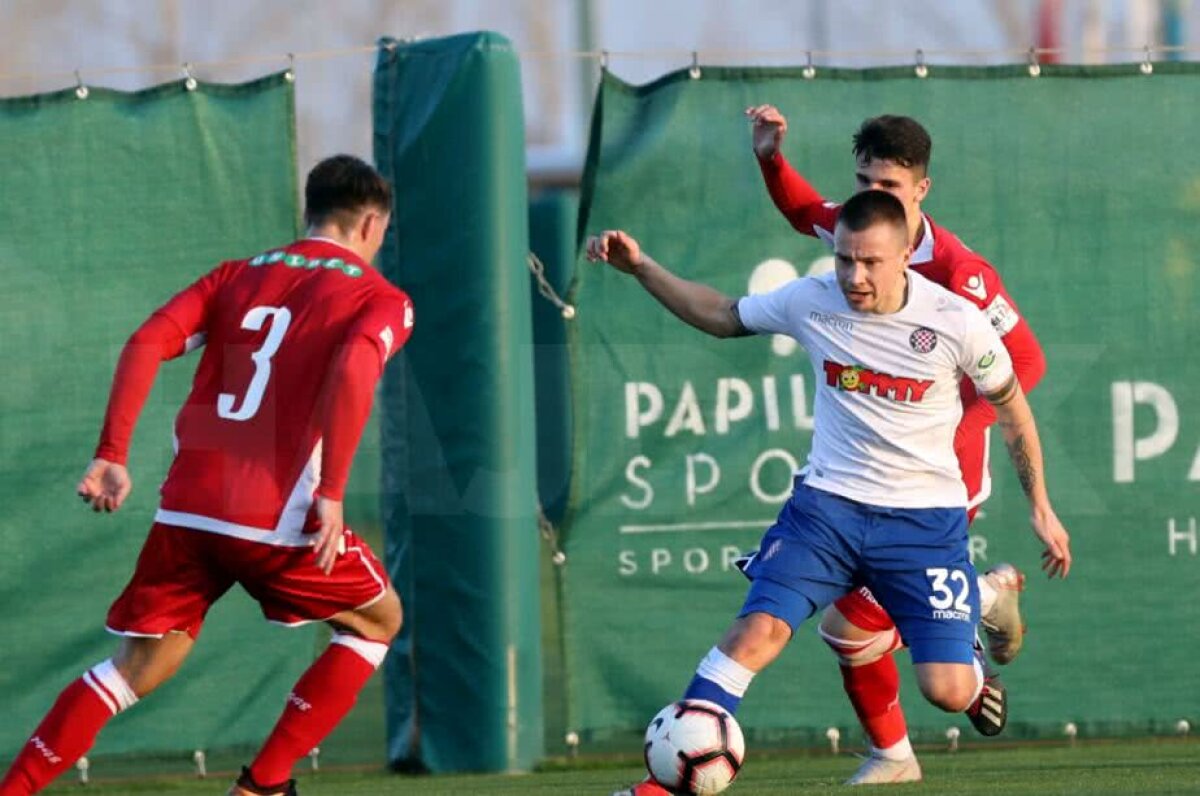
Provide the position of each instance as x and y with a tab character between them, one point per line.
949	587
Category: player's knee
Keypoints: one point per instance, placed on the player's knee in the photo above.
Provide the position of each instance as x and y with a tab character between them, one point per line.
951	695
853	645
381	621
146	663
755	639
392	617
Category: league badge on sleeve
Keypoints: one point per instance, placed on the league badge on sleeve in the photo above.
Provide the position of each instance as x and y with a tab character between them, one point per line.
1002	315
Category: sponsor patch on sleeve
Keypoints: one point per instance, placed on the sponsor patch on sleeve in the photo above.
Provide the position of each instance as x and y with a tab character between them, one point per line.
1002	315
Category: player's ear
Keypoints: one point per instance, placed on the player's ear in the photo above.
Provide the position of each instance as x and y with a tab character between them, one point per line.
923	188
378	222
367	225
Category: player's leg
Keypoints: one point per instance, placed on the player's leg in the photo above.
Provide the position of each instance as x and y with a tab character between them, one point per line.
920	572
752	642
86	705
864	638
804	562
159	614
327	691
1000	587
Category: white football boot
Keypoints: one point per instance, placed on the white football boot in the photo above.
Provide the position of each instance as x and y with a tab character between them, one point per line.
1003	624
880	771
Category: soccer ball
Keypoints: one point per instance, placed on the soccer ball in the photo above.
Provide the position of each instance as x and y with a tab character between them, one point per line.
694	747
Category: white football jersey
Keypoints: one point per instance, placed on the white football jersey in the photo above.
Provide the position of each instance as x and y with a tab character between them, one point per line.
887	400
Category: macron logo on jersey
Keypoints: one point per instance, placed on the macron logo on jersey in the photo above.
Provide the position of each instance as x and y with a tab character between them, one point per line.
974	285
388	339
854	378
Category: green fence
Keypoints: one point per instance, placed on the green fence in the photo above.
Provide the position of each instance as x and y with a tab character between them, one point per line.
1083	188
110	205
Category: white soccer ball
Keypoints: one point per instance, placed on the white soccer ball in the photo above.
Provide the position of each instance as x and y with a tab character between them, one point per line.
694	747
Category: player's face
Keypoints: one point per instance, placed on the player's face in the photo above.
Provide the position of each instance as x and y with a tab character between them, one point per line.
870	267
907	185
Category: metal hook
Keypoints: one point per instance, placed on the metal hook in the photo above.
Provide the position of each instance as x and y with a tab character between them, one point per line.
921	70
810	71
290	74
1147	66
189	82
694	72
1035	68
81	90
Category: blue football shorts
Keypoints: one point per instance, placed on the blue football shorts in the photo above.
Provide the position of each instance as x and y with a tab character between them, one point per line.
914	561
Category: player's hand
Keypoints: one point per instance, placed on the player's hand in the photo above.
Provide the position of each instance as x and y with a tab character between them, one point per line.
1056	558
616	248
104	485
770	126
328	543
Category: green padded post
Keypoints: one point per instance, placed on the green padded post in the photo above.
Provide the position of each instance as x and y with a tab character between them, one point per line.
459	483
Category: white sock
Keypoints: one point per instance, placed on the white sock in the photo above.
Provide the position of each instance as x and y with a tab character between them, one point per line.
730	675
987	596
110	686
901	750
978	681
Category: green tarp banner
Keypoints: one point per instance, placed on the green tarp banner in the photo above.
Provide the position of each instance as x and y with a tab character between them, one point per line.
110	205
1083	188
464	677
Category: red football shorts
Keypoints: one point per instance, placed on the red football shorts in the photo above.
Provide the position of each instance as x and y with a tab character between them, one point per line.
859	606
181	572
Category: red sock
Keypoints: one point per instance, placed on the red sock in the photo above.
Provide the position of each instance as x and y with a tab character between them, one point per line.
874	691
68	730
321	698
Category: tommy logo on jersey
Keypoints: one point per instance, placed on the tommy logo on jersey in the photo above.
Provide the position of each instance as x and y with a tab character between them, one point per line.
855	378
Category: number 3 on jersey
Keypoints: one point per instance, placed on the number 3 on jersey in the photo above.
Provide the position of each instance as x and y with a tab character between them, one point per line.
254	321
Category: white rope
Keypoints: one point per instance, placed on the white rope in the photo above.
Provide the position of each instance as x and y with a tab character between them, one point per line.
283	59
538	269
605	56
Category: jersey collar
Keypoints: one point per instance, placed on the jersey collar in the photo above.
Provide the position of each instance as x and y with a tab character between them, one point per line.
323	239
924	251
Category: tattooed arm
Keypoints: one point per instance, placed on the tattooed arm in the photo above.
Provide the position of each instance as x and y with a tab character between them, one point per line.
1025	451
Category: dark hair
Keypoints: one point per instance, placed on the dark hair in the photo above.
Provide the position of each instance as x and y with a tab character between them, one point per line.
898	138
868	208
340	188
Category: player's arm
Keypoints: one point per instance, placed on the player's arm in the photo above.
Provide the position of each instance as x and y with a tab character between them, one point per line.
1025	451
988	365
982	286
346	405
172	330
695	304
801	203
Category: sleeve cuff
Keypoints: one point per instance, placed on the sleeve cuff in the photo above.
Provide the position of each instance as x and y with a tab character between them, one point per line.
331	492
109	453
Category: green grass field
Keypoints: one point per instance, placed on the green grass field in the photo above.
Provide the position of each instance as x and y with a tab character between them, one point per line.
1125	767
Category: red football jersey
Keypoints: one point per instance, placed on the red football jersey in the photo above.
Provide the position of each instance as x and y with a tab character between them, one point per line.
940	256
248	439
